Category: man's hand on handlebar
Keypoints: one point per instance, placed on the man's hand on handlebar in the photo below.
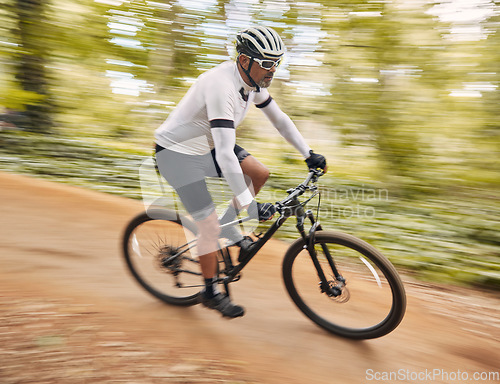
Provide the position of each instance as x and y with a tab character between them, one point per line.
262	211
315	161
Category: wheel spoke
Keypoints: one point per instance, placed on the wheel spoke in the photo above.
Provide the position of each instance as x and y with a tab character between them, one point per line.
158	253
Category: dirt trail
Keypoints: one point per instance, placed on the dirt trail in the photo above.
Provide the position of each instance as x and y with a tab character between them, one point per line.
70	313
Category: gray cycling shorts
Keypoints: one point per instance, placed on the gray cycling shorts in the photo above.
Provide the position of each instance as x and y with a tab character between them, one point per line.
187	173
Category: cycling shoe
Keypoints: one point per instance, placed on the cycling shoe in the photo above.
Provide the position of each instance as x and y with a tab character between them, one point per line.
222	303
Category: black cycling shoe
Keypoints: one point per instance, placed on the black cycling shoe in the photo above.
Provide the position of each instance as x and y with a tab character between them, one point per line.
246	246
222	303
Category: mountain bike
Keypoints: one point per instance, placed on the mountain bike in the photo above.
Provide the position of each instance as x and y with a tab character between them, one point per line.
340	282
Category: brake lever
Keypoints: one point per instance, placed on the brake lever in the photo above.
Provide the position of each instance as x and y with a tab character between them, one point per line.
317	174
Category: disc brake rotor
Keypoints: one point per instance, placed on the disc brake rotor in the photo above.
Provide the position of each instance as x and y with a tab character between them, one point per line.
337	291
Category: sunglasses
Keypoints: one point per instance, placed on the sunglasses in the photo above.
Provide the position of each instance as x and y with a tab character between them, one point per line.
266	64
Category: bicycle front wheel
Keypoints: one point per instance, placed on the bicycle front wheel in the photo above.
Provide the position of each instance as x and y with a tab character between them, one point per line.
157	246
364	297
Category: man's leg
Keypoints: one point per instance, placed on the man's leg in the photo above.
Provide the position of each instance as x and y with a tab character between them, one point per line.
207	245
256	175
255	171
208	234
187	175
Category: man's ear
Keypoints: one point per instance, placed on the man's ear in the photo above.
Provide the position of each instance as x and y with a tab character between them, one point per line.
243	61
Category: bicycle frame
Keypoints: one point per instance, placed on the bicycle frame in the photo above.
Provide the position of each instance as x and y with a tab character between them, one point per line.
290	206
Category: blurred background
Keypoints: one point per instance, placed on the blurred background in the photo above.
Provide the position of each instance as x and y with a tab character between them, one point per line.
400	95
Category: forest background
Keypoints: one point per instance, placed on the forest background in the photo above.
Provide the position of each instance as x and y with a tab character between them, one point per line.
401	96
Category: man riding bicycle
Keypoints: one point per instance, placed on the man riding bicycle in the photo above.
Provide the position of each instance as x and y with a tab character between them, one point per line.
198	140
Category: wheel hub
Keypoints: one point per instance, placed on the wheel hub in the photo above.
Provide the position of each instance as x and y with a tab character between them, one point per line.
165	261
336	290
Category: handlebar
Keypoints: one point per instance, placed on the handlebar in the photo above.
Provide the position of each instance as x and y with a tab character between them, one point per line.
312	176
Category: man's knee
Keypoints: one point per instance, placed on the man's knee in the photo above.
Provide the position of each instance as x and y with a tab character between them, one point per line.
263	174
260	175
255	170
209	228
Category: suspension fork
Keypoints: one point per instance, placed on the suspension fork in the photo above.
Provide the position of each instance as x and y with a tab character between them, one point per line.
310	241
309	245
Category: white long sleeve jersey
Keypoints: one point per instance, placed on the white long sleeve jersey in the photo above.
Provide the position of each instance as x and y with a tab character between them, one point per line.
210	111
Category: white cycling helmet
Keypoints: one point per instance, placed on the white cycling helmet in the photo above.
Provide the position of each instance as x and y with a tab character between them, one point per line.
260	42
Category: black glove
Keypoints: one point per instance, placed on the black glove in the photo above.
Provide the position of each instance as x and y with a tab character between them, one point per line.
264	211
315	160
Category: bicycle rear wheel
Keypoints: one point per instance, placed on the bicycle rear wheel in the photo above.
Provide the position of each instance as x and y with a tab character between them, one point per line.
370	303
157	246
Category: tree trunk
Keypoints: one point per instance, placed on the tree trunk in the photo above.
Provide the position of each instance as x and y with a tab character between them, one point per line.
30	69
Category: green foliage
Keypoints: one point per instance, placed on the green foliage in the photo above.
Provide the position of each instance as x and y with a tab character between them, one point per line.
14	97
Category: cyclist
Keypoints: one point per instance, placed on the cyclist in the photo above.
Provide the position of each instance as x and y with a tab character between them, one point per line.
198	140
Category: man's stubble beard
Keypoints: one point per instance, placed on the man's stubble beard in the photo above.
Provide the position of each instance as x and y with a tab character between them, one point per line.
264	83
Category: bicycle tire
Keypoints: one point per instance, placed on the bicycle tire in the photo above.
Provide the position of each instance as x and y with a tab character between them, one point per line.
377	294
145	237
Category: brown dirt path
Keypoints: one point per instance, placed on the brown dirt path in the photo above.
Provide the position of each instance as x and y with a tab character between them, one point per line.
70	313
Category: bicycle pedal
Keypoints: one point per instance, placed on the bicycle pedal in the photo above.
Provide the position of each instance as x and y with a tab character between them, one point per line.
236	278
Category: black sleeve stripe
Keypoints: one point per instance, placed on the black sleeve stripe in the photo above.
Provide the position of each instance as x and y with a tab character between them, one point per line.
221	123
265	103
